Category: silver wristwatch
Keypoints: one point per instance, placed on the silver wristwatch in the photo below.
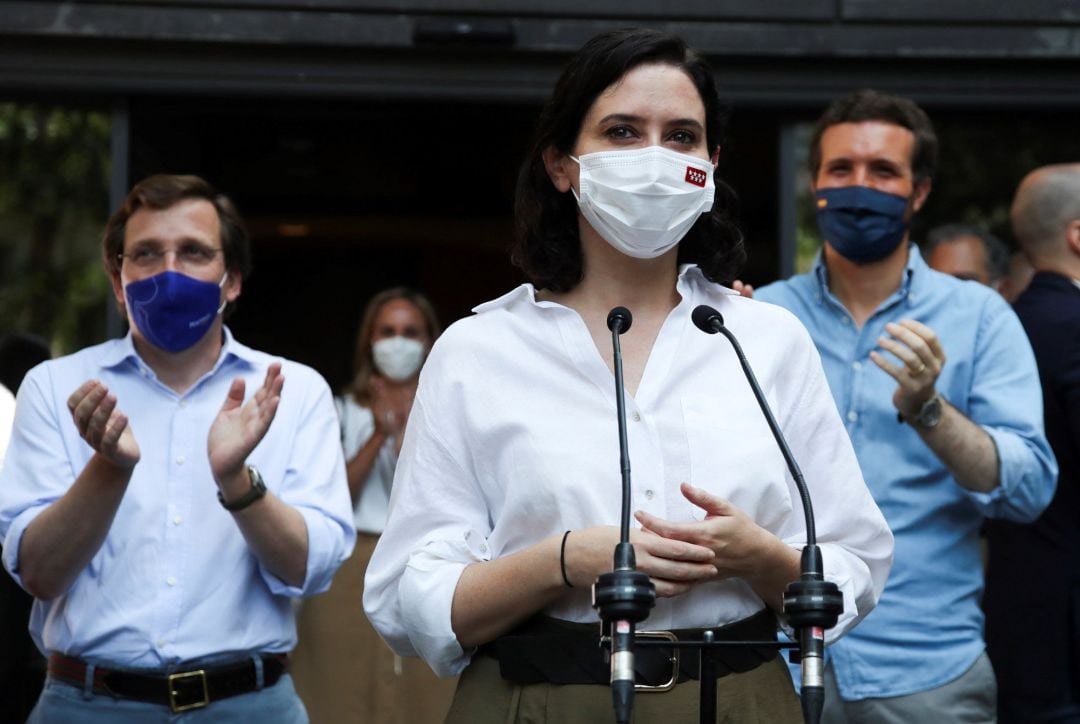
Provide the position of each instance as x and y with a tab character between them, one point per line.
929	414
257	491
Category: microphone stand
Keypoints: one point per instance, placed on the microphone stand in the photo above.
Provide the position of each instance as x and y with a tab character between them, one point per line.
812	604
624	596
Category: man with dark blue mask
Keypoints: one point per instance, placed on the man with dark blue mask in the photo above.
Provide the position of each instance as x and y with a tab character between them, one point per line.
940	393
164	495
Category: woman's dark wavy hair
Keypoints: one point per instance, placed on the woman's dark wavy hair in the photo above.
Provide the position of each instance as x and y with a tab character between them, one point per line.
546	243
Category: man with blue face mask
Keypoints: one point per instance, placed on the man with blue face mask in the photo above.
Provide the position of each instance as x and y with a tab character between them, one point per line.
162	497
938	387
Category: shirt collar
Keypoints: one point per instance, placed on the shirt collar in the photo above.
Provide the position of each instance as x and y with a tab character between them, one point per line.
526	293
690	277
119	351
124	349
912	282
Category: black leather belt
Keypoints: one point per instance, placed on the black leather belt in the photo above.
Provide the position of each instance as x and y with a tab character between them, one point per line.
181	690
550	650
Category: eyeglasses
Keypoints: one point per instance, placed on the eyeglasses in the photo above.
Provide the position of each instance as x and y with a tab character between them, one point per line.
188	256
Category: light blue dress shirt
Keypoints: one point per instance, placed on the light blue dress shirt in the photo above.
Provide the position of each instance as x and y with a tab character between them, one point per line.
174	580
927	627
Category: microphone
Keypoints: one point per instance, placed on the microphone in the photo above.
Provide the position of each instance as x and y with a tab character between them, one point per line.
624	596
812	604
619	320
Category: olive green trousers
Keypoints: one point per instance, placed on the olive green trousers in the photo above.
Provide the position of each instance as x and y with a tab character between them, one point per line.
763	695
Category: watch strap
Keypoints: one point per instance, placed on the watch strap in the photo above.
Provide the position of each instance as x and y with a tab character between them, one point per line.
257	491
929	415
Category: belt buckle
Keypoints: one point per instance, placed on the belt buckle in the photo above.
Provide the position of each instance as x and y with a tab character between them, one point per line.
184	686
670	684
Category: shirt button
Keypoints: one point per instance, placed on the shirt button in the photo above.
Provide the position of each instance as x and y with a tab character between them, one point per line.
852	415
845	321
856	366
177	520
162	643
637	417
483	548
180	459
649	495
171	580
183	403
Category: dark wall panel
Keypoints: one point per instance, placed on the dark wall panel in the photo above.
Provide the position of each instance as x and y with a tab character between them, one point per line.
1063	12
778	10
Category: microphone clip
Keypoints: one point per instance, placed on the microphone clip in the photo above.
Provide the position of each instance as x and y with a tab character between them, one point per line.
812	603
624	594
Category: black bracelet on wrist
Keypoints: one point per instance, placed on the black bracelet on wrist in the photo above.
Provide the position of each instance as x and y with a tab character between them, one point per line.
562	560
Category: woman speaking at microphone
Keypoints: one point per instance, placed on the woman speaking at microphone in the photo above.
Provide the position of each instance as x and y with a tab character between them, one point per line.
506	502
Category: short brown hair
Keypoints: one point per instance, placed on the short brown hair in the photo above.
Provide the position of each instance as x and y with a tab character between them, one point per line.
871	105
164	191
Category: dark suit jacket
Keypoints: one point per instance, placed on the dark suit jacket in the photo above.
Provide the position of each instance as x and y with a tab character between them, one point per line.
1033	581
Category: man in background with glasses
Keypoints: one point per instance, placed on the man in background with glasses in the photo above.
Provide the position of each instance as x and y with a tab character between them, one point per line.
163	498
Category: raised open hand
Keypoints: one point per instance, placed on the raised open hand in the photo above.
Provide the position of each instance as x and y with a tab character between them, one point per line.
239	427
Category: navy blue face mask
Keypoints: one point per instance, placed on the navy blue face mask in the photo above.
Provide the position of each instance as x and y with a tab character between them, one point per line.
861	223
172	310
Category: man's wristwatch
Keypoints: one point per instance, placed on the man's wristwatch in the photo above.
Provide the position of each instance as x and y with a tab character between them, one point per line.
929	415
258	490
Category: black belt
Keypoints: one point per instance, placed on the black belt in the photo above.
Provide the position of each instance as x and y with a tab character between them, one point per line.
550	650
181	690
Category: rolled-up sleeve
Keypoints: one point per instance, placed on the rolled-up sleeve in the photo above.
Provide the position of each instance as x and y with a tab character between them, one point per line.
314	484
1006	401
36	471
437	526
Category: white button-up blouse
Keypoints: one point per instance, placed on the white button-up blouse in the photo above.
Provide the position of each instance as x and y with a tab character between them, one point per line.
513	438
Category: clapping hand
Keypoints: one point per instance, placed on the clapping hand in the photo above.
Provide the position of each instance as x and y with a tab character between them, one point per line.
239	427
102	425
922	357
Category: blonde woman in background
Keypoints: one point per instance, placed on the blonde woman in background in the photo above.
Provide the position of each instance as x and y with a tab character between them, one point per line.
344	672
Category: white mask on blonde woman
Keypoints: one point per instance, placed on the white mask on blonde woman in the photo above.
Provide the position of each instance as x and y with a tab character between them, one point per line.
398	358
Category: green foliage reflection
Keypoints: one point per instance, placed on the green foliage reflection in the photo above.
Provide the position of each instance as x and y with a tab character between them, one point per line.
54	181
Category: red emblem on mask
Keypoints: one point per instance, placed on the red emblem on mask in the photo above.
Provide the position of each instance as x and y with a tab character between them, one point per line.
695	176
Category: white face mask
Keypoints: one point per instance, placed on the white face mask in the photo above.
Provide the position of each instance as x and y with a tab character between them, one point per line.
398	358
643	201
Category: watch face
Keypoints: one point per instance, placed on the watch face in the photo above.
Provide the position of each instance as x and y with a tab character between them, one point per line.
258	490
930	414
256	478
